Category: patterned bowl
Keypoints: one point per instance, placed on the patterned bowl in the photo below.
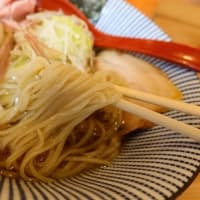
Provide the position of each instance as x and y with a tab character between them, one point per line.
154	164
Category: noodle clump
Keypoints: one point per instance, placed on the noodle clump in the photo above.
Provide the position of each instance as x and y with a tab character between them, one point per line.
55	120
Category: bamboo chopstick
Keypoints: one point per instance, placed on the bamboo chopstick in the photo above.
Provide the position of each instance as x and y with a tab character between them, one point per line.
161	101
160	119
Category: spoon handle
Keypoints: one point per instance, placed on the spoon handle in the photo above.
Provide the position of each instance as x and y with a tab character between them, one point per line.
181	54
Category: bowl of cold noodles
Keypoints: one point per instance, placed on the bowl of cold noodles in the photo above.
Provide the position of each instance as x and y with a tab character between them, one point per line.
62	133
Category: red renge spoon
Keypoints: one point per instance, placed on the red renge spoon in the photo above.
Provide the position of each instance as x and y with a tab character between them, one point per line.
171	51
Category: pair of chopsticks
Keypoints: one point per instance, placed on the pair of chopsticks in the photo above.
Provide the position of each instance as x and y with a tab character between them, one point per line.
158	118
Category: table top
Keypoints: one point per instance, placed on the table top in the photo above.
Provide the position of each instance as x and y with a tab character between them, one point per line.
180	20
171	16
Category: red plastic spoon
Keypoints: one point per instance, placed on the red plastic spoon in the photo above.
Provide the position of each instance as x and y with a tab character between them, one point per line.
177	53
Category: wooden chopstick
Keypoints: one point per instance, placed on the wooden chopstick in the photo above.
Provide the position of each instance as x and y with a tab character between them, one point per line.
161	101
160	119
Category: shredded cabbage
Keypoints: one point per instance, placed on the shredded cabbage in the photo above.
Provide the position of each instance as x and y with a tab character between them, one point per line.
67	37
66	34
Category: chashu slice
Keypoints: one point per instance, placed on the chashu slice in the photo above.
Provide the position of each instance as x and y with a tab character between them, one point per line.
139	75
